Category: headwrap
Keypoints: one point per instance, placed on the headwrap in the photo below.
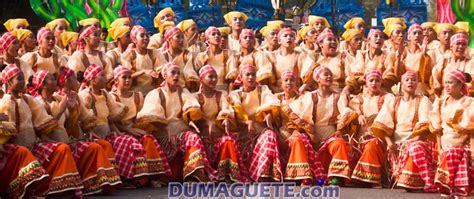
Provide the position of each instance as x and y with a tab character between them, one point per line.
38	80
118	32
68	37
185	24
120	22
169	33
206	70
285	30
267	29
459	37
410	73
64	74
388	30
394	20
312	20
209	31
11	23
89	22
246	32
428	24
165	25
81	44
303	31
52	24
6	40
373	32
157	19
462	26
353	21
443	26
22	34
319	70
229	16
373	73
288	73
326	33
225	30
168	67
9	72
350	33
91	72
278	23
459	75
42	33
120	70
414	27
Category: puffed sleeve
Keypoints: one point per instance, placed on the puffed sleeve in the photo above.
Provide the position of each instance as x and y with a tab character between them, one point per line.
191	107
306	65
384	124
269	104
42	121
159	61
190	75
233	68
435	117
226	112
264	66
86	117
108	66
75	62
236	103
422	126
151	113
463	120
117	110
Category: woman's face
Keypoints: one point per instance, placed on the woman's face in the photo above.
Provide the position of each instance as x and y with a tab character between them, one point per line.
167	17
247	41
124	81
191	31
287	40
459	49
311	36
125	40
72	83
376	41
12	50
99	81
359	26
374	84
237	23
142	39
289	84
397	36
177	41
172	77
319	25
409	84
210	80
249	77
445	35
329	46
452	86
356	42
272	37
48	41
416	36
30	41
215	38
93	39
17	83
429	33
325	78
60	28
50	82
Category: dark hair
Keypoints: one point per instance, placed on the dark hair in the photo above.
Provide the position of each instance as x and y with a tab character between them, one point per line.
3	66
468	77
80	76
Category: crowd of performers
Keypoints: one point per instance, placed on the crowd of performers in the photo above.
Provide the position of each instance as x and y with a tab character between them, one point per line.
81	116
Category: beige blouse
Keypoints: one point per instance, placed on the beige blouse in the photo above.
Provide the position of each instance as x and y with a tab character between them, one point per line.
452	121
50	64
402	119
222	63
79	59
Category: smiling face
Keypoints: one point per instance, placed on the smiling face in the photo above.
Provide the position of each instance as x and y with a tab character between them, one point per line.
142	39
376	41
325	78
329	46
459	49
289	84
210	79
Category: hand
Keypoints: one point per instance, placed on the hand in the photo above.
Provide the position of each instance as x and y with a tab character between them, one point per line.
226	124
63	102
392	148
212	128
423	45
269	120
3	117
191	124
250	127
361	120
154	74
